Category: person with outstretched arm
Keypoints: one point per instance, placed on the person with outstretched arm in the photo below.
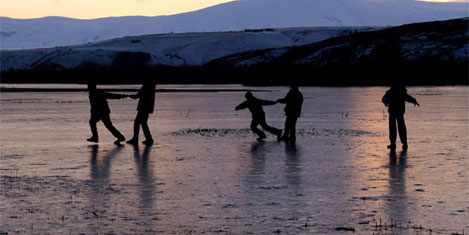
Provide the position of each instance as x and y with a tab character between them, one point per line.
146	104
258	116
100	111
395	99
293	101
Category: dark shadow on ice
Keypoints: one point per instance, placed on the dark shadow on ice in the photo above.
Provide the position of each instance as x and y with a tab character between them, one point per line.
101	187
257	147
293	165
290	149
397	198
258	159
145	178
100	170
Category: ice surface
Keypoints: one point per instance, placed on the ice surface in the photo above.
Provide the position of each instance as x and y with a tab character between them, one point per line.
206	172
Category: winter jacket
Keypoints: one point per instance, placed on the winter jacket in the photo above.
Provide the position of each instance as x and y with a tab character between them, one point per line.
294	101
146	97
255	106
395	100
98	101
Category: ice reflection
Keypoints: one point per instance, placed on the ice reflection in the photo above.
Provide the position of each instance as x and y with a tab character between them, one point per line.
100	198
293	166
397	201
101	169
145	178
147	192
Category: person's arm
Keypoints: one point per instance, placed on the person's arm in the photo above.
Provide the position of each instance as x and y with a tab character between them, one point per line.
385	99
108	95
285	99
282	101
411	99
267	102
136	96
242	105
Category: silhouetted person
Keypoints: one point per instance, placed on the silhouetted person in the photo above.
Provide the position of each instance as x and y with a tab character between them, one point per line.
258	116
100	112
293	101
395	99
146	104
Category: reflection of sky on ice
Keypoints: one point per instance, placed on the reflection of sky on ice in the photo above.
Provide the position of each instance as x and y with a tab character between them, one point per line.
206	172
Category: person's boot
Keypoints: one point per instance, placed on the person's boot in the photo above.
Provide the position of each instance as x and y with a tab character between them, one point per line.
279	136
405	147
93	139
260	139
132	141
392	146
147	142
292	139
284	137
119	140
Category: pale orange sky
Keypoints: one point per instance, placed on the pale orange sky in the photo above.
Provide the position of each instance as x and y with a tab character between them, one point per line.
88	9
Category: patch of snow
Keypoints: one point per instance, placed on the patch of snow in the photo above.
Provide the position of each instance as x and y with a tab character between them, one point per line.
461	53
264	57
317	54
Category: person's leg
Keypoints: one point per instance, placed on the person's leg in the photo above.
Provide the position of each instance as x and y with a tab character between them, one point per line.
94	130
402	130
392	130
137	123
254	129
286	131
108	124
270	129
292	127
146	129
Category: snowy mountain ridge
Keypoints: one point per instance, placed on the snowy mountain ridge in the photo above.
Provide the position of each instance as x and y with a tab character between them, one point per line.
231	16
185	49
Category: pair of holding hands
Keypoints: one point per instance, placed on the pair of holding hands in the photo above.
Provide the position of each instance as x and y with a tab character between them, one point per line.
130	96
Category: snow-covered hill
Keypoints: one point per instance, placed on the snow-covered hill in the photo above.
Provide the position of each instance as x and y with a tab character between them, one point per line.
423	53
232	16
185	49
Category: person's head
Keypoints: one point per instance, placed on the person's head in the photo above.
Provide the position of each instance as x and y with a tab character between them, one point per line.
398	86
91	85
149	81
248	95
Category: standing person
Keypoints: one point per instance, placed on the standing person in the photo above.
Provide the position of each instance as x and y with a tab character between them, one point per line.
395	99
100	112
258	116
293	101
146	104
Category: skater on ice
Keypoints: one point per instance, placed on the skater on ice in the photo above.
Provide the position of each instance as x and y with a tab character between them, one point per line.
395	99
100	111
293	101
145	107
258	116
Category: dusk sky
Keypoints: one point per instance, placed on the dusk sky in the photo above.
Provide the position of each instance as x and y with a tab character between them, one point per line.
88	9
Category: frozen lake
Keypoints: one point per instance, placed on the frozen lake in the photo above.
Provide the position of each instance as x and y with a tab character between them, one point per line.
207	174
